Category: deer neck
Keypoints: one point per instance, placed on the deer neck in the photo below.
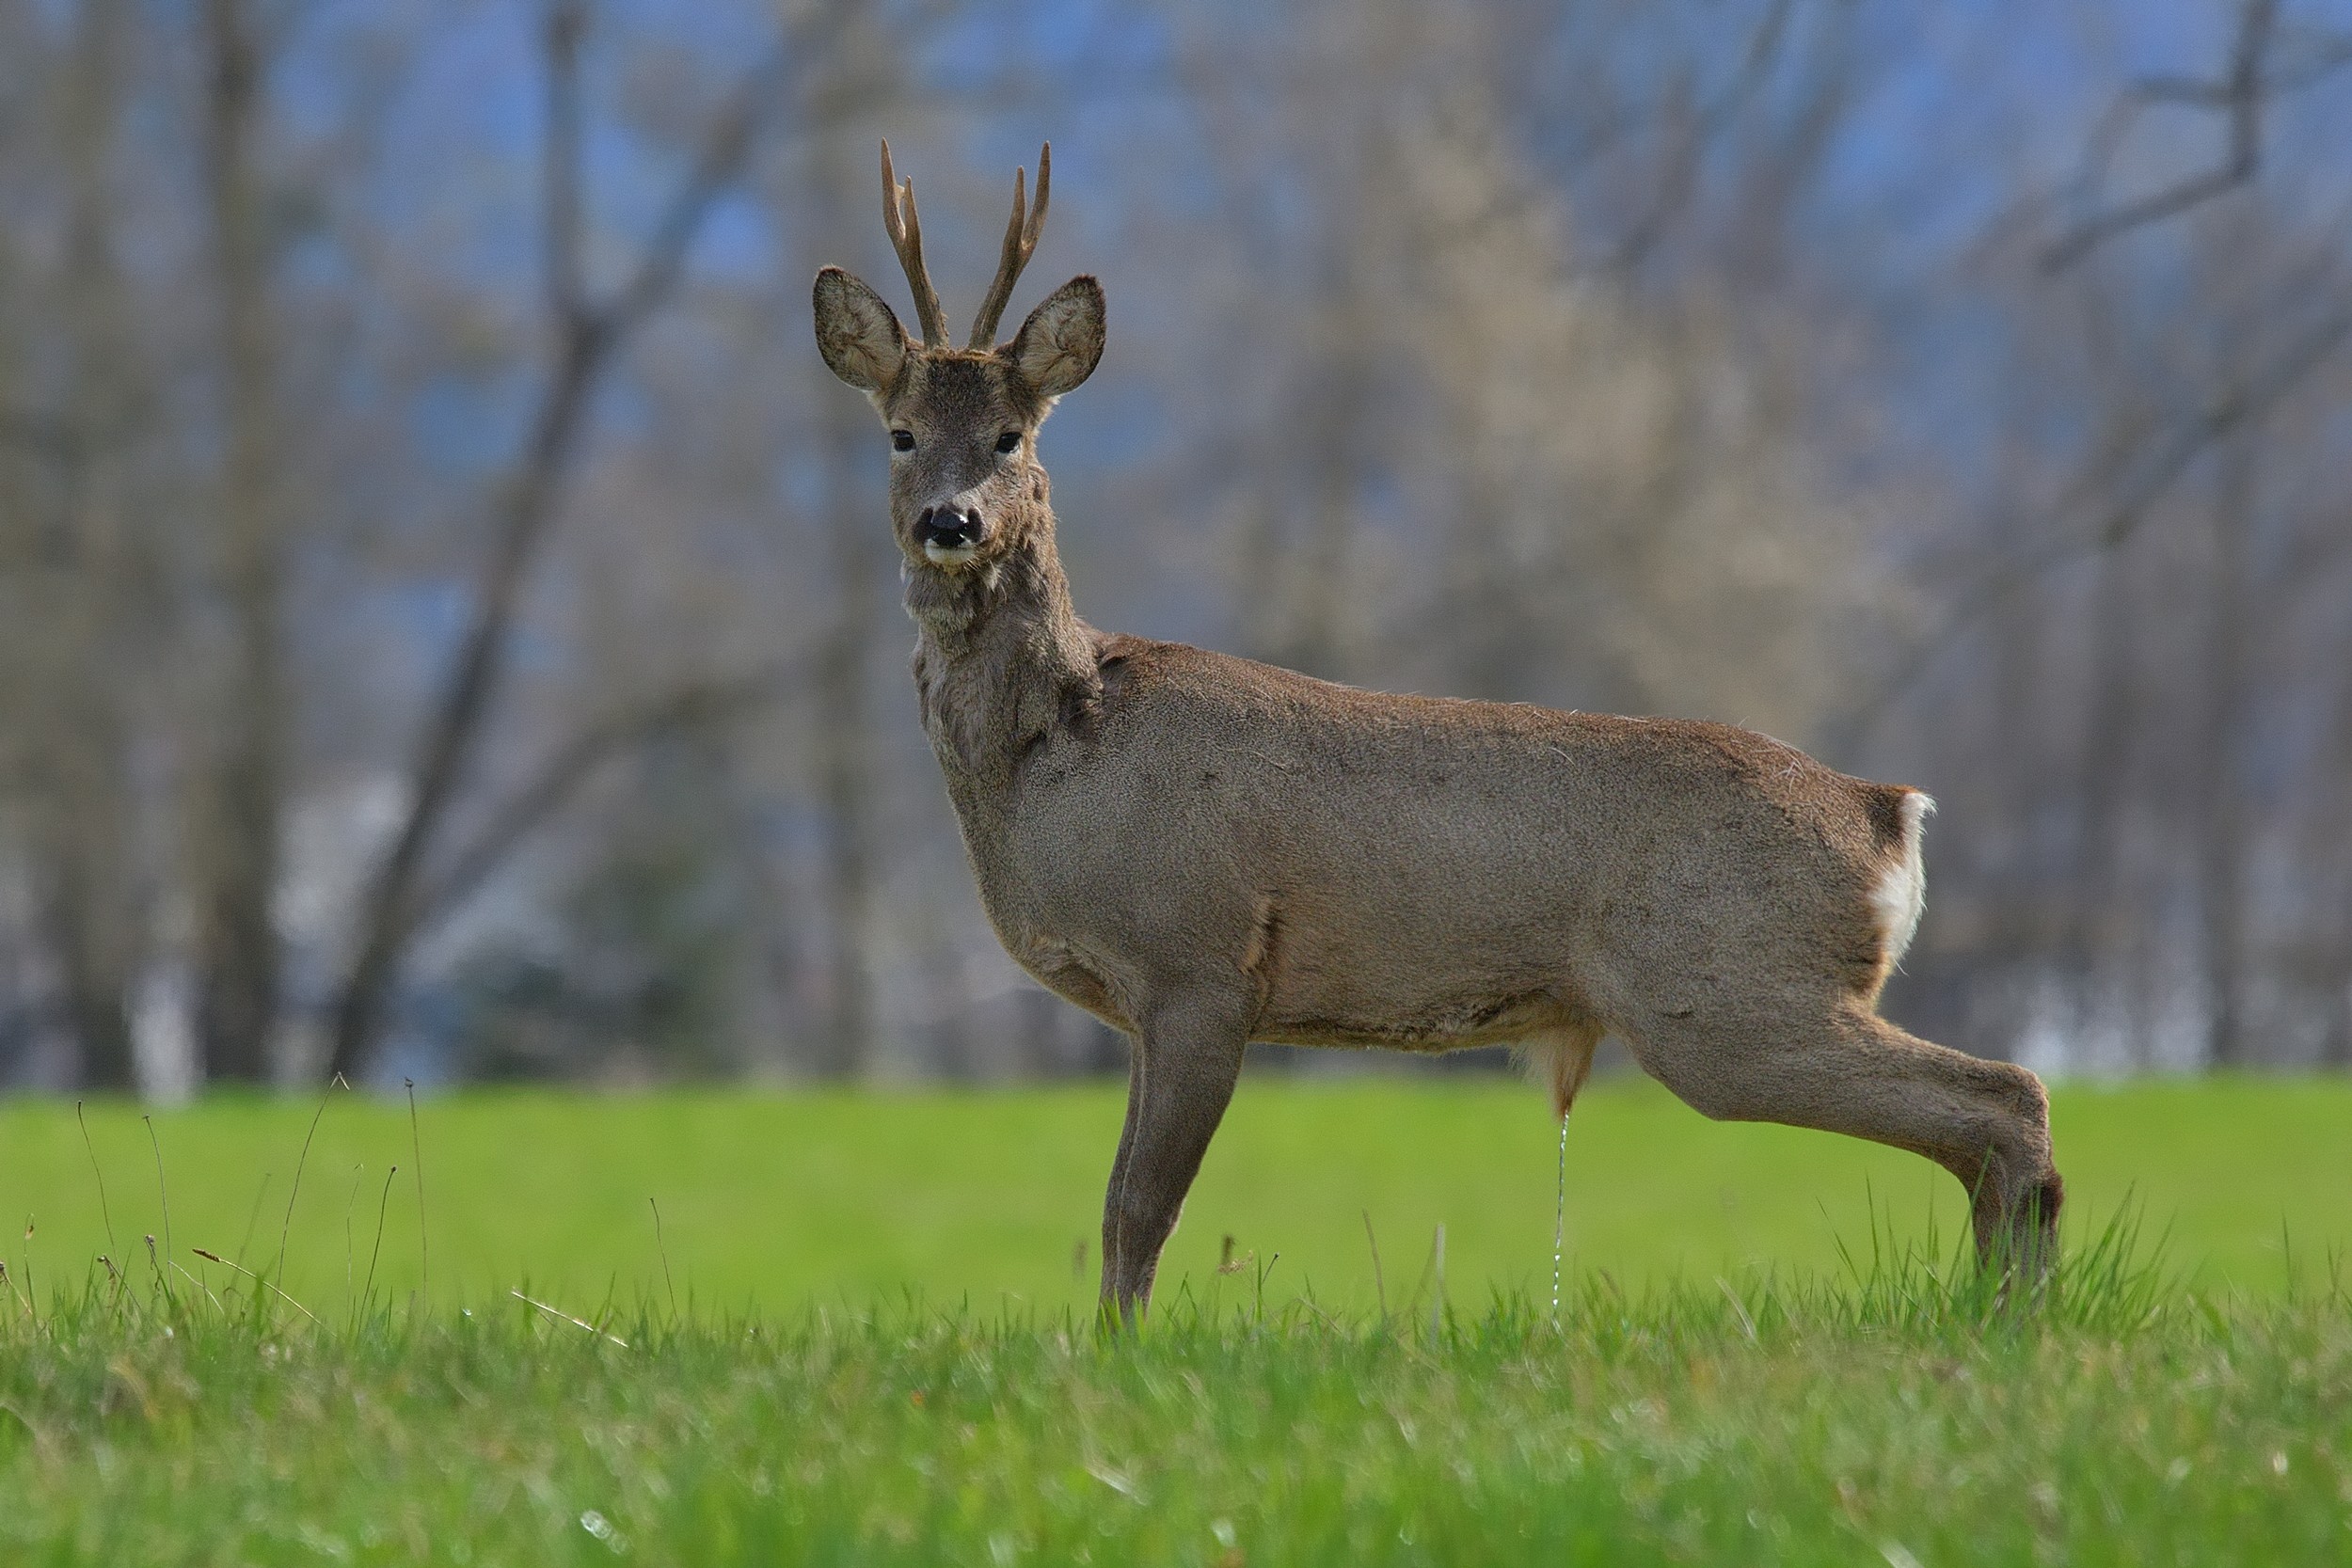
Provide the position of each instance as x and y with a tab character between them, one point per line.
1001	661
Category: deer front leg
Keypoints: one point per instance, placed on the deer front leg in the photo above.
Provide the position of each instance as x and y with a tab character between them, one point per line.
1187	1056
1119	1170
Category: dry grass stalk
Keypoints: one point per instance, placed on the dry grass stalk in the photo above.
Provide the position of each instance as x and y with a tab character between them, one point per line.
558	1313
217	1258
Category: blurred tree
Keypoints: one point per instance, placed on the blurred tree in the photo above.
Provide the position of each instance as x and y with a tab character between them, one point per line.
241	800
420	585
78	551
588	334
639	979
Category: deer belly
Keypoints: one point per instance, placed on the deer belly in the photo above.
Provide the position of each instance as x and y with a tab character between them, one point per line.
1061	968
1419	981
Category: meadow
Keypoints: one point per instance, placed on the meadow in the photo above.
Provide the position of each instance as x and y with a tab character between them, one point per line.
772	1202
858	1332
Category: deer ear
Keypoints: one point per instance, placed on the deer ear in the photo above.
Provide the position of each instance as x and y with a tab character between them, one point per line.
856	332
1061	342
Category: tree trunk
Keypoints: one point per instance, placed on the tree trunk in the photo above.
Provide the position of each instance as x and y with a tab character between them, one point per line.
2100	942
85	851
588	336
845	764
237	847
82	933
854	520
2223	843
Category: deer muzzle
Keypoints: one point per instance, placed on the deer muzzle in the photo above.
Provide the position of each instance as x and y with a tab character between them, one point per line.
949	535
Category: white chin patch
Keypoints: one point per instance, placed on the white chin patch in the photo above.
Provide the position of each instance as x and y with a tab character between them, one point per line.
948	554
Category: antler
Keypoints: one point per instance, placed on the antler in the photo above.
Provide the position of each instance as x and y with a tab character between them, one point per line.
1020	242
906	238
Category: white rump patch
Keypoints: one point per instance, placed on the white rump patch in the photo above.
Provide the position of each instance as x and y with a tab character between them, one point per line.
1901	892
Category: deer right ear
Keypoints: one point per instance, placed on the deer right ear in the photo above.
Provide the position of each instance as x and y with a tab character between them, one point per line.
857	333
1061	342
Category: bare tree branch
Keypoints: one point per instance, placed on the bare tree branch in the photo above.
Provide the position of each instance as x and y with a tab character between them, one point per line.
2143	480
1682	162
2323	53
723	153
572	765
587	336
559	165
2241	94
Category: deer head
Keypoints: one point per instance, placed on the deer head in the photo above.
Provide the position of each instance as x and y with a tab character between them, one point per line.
965	484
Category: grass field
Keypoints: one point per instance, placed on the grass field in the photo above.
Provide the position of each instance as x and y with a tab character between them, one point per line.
877	1352
774	1202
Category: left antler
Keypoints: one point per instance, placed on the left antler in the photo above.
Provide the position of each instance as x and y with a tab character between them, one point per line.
1020	243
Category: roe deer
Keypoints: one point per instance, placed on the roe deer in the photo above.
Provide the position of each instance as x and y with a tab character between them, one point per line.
1205	851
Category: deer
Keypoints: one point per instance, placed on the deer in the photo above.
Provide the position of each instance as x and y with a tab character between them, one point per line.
1205	851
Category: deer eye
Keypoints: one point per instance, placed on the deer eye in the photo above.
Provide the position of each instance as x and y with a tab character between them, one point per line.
902	440
1008	442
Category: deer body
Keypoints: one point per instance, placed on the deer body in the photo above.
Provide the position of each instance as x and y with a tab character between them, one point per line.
1205	851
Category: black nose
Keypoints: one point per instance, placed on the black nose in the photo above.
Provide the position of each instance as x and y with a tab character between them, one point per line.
947	528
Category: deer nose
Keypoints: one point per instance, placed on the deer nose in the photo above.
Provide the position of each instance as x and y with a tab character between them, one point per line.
948	528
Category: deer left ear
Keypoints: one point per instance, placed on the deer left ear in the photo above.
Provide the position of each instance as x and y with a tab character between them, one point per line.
1061	342
857	333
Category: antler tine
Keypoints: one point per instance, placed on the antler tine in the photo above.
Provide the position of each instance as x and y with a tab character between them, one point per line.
906	238
1021	238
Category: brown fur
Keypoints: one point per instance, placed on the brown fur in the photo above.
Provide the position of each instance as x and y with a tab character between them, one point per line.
1205	851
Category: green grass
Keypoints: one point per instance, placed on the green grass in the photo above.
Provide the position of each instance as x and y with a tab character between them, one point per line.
774	1202
1901	1417
879	1352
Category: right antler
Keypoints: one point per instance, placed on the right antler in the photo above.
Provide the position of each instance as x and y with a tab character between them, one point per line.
1020	242
906	238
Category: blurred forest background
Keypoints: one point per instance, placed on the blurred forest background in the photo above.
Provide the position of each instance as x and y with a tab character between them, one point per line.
448	627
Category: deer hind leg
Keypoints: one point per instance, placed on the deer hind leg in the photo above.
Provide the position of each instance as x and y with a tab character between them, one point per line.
1187	1057
1849	1070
